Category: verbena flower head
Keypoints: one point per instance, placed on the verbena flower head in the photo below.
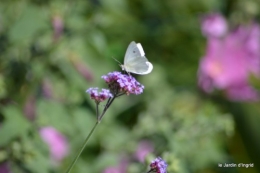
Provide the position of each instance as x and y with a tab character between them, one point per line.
119	83
99	96
158	165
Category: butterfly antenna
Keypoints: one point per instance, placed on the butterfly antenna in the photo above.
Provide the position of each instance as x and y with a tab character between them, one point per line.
121	66
117	61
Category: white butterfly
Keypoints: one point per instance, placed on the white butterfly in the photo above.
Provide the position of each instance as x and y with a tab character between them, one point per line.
135	61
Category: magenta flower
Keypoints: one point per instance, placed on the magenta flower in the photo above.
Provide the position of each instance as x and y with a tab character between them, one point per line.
47	89
242	92
158	165
229	61
5	167
112	170
214	25
57	143
30	108
143	149
122	167
82	68
58	26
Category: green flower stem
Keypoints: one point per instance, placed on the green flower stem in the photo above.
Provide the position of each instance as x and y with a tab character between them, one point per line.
82	148
97	112
99	117
110	101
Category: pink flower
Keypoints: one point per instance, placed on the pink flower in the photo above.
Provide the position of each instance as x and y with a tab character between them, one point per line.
47	88
229	61
57	143
81	68
214	24
143	149
242	92
29	108
112	170
57	24
5	167
120	168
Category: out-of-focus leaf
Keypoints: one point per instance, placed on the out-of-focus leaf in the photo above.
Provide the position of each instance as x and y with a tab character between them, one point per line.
2	87
30	23
53	113
98	40
38	163
14	125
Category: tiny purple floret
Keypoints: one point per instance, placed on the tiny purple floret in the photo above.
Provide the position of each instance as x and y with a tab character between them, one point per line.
158	165
99	96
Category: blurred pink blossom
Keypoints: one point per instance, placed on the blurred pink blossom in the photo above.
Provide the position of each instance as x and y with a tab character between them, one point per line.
143	149
4	167
47	89
81	68
214	24
57	143
30	108
229	61
112	170
57	24
120	168
242	92
84	71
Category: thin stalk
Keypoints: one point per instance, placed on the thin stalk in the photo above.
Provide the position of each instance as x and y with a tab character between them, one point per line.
120	94
107	104
106	107
82	148
97	113
110	102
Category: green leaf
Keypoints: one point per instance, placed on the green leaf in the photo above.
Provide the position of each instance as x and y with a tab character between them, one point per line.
30	22
14	125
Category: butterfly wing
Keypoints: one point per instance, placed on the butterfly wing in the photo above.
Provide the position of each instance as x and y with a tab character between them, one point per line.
133	51
135	61
138	65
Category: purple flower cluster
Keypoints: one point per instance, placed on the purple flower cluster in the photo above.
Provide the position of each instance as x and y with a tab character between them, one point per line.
99	96
119	83
158	165
231	57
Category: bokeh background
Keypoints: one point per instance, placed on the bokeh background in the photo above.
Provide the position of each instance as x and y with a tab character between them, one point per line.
52	51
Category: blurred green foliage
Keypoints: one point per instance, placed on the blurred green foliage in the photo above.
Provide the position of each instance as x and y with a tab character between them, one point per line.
52	51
